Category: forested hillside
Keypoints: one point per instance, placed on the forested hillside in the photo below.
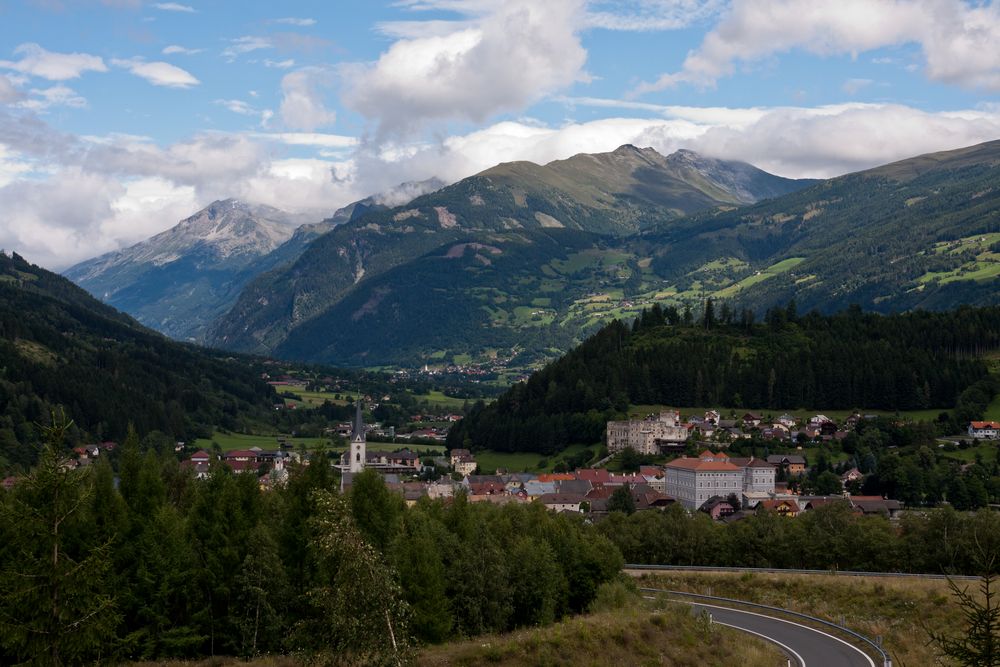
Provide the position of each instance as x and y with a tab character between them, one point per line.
61	349
849	360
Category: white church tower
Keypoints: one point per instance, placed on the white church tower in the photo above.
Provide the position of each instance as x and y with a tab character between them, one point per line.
356	463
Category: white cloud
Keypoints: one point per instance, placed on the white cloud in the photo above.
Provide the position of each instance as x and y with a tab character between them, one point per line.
36	61
174	48
310	139
958	40
502	57
854	86
97	194
158	73
279	64
174	7
302	23
246	44
650	15
11	166
8	93
302	106
238	106
60	95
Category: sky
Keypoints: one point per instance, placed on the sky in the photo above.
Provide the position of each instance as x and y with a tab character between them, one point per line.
118	118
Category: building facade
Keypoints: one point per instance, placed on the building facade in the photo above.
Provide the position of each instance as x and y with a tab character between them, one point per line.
693	481
646	435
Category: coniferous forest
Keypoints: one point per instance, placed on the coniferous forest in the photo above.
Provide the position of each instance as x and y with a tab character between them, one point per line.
853	359
167	566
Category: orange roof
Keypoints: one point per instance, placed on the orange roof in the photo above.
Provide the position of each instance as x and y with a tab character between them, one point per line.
985	425
556	477
700	465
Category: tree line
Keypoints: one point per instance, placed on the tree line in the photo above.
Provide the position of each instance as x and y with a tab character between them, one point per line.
161	565
830	537
909	361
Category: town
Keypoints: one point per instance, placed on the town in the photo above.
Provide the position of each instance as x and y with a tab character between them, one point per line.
726	487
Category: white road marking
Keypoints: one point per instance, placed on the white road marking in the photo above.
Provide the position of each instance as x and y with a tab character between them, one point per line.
775	618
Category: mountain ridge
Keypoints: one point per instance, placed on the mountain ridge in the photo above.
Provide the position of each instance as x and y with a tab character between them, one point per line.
606	195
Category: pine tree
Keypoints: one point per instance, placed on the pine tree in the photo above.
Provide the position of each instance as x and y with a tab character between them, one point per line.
55	604
979	644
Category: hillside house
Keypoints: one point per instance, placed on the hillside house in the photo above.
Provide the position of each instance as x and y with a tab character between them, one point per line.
464	465
562	502
792	463
785	507
984	430
718	507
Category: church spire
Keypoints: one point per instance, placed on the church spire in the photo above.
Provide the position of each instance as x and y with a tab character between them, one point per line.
359	424
356	453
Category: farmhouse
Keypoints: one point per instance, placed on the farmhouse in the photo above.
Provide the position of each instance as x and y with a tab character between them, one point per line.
984	430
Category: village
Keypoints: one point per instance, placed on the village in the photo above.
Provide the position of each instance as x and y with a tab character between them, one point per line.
726	487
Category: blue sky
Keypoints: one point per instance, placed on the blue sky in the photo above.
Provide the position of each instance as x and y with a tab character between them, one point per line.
120	117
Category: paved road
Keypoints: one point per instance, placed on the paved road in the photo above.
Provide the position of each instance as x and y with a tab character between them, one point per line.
808	647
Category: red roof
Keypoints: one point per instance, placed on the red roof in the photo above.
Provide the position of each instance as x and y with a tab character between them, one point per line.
981	425
594	475
700	465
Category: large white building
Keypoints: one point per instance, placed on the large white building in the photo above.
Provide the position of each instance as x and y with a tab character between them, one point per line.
646	435
692	481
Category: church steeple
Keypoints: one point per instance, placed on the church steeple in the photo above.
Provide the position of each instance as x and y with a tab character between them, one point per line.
356	462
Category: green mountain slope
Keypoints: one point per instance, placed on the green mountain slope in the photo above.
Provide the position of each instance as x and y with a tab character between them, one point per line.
920	233
61	348
611	195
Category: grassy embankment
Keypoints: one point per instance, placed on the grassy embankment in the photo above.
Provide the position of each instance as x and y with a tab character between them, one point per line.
636	637
672	636
898	609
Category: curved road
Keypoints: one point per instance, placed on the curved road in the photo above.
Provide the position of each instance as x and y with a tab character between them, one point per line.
807	646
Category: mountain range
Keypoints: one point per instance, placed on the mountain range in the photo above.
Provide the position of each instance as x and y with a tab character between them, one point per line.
525	260
181	280
480	259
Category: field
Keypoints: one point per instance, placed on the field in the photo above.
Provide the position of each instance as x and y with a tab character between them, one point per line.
526	461
313	397
898	609
993	411
231	441
760	276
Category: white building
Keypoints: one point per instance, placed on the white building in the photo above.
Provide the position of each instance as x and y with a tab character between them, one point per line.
645	435
985	430
692	481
